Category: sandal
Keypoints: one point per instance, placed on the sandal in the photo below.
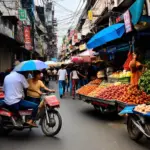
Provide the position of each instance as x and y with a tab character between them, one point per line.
31	123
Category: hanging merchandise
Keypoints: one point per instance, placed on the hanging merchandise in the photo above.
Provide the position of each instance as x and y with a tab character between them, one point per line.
129	59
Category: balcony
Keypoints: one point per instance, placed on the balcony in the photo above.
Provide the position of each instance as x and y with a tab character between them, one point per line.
6	28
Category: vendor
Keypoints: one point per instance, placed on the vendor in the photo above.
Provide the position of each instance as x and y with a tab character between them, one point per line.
91	72
136	68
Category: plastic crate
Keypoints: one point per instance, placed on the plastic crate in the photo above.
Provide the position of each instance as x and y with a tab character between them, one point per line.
124	80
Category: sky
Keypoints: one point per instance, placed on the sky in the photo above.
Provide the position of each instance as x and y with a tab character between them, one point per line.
67	13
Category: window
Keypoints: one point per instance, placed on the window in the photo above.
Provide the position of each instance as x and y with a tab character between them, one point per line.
10	25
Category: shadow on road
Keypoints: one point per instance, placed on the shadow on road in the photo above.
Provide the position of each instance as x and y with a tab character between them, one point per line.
113	120
28	136
98	116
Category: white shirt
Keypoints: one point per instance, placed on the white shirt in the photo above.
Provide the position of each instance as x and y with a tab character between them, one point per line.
14	85
55	72
62	73
75	74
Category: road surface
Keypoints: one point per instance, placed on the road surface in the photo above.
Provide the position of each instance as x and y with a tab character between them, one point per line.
83	129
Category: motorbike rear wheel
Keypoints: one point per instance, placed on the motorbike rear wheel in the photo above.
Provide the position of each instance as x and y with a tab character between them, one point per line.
52	124
134	133
4	131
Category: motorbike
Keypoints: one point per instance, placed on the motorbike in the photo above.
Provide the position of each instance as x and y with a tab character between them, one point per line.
49	118
138	124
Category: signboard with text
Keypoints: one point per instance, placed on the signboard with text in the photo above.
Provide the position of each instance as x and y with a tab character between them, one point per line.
82	47
127	21
22	14
90	15
27	38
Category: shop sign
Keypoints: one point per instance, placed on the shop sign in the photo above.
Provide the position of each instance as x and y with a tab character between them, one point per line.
27	38
71	33
119	19
127	21
75	38
22	14
90	15
82	47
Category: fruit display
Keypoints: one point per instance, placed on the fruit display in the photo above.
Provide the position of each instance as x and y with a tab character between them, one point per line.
142	108
124	92
85	90
96	92
112	92
96	81
123	74
144	82
134	96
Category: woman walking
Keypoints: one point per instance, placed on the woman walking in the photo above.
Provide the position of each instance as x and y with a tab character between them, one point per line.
75	80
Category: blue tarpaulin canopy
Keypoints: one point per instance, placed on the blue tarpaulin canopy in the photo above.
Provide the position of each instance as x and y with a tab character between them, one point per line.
106	35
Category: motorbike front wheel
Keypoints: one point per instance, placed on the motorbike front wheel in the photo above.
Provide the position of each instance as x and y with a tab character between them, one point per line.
55	123
133	131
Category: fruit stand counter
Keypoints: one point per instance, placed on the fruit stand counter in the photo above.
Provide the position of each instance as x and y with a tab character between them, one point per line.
107	95
104	101
105	106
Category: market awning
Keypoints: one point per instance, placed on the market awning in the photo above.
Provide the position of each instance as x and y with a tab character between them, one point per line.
106	35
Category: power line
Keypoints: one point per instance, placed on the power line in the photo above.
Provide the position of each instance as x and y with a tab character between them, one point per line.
75	14
61	6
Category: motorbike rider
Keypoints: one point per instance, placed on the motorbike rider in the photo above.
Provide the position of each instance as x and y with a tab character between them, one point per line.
14	85
35	85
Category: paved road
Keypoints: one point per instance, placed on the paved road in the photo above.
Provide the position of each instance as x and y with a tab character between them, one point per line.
82	129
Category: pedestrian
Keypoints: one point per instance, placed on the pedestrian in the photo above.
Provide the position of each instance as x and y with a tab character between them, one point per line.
49	72
62	76
68	76
54	74
75	80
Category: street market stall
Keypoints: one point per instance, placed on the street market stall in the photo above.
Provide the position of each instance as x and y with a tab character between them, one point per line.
118	91
116	94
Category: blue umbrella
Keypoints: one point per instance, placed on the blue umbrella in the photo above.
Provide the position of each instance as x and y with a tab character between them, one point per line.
31	65
106	35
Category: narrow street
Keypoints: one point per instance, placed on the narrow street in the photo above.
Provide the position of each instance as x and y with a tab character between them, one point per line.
82	129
